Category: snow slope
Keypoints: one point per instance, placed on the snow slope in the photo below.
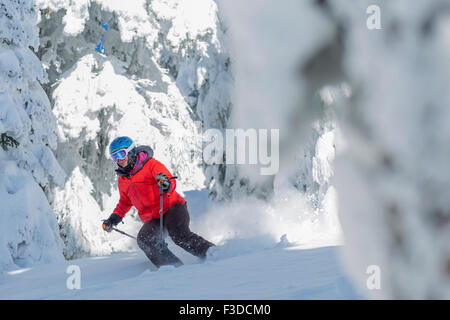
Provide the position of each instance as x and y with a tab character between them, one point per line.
271	273
249	266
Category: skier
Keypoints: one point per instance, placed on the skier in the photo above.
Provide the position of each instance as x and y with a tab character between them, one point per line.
140	178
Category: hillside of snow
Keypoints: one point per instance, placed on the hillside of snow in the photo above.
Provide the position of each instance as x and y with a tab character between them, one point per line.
245	267
269	273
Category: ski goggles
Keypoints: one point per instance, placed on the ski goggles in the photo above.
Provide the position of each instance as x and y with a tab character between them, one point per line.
122	153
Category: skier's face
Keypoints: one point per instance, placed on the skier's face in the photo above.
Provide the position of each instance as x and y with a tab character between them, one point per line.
123	162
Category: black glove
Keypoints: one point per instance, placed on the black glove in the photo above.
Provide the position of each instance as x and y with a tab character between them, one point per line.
163	182
113	220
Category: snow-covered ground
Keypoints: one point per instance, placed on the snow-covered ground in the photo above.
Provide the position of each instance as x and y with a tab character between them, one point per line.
272	273
248	268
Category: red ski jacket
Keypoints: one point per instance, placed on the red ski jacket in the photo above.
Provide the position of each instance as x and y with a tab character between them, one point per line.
140	189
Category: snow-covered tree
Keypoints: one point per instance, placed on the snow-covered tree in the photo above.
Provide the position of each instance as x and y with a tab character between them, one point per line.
267	52
392	177
391	169
192	46
28	232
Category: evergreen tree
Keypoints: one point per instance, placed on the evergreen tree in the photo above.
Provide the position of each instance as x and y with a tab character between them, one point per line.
27	136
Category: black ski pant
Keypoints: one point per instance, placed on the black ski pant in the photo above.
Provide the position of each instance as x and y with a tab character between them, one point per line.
176	222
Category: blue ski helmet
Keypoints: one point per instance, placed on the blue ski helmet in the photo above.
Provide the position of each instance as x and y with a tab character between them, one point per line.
123	144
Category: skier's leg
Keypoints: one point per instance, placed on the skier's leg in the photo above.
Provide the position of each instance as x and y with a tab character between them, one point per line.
149	240
177	219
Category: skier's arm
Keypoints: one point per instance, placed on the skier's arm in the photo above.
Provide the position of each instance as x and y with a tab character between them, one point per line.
123	206
159	168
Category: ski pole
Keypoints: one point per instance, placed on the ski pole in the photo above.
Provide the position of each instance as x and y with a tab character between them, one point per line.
124	233
161	222
120	231
161	225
